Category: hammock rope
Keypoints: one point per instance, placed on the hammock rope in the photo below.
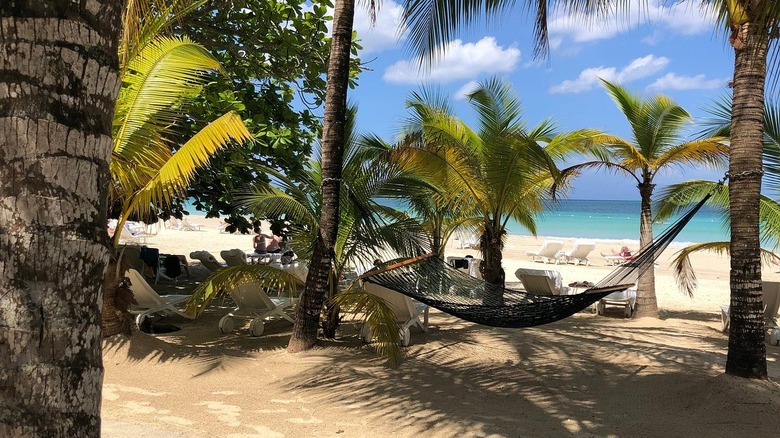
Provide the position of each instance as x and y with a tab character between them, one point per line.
432	281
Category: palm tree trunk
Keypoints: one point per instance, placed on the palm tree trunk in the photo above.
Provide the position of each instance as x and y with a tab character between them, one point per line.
307	314
747	352
59	84
491	244
646	301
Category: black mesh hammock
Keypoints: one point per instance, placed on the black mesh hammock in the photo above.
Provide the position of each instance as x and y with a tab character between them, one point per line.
430	280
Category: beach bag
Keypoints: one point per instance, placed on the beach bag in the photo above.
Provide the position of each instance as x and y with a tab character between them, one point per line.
172	266
287	257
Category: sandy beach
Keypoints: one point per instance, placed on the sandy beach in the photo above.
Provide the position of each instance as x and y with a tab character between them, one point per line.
587	375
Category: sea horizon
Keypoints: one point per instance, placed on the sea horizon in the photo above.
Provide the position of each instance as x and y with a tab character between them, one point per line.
604	220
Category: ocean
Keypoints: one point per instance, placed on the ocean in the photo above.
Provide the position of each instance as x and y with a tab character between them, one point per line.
617	220
604	220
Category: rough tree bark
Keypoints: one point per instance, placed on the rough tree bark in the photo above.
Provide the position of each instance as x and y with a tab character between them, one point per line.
58	84
646	301
307	314
747	351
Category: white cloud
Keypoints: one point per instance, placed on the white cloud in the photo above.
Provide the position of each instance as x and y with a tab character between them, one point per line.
460	61
676	19
589	78
671	81
385	33
467	88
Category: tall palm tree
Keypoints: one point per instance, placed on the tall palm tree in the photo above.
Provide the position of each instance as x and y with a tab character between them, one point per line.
656	145
307	314
499	171
53	247
751	23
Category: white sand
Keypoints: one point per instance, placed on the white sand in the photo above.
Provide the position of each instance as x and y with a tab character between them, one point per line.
585	376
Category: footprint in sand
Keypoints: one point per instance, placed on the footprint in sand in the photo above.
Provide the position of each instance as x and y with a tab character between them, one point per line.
226	413
136	407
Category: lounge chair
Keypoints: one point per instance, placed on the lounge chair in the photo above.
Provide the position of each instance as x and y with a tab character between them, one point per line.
541	282
173	224
254	304
467	239
233	257
189	226
149	302
206	259
135	232
771	297
548	253
407	312
578	254
626	299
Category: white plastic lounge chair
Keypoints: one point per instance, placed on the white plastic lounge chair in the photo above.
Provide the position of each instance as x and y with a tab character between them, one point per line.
467	239
626	298
173	224
407	312
206	259
541	282
548	253
254	304
189	226
579	253
771	290
135	232
233	257
149	302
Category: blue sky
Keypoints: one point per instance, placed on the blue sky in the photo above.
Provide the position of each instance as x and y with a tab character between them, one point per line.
673	50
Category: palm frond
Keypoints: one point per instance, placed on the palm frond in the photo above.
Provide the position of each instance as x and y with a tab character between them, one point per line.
172	178
683	270
166	73
379	317
263	276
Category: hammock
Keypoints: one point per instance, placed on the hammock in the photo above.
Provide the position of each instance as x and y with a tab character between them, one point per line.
432	281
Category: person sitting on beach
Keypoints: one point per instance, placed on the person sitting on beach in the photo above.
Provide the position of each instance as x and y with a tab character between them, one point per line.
624	252
258	241
274	246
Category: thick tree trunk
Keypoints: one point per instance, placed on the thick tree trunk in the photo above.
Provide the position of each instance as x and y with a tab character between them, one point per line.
646	301
747	352
307	315
58	84
492	245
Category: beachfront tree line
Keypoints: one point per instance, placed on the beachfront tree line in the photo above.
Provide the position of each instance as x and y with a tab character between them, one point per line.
53	219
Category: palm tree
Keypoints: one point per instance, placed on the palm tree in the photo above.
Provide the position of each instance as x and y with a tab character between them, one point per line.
498	172
655	146
368	230
160	75
307	314
53	244
751	24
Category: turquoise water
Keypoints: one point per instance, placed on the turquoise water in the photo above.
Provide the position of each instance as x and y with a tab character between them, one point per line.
611	220
618	220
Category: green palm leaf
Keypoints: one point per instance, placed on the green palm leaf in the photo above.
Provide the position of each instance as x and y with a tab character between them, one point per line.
175	174
220	282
